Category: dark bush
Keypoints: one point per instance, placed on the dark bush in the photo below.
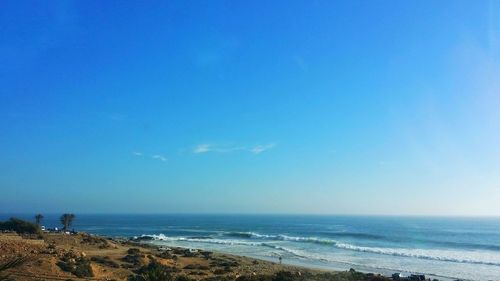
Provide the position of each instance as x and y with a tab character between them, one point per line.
206	254
133	259
255	278
154	271
133	251
94	240
78	266
196	266
178	251
223	263
307	276
286	276
20	226
83	268
165	255
105	261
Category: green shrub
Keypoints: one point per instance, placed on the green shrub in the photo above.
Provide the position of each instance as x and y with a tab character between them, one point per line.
154	271
20	226
83	268
79	266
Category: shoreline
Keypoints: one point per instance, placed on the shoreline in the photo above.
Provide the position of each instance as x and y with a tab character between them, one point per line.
113	258
59	256
317	266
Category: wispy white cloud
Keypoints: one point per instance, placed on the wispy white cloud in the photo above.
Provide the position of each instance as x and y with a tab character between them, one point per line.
262	147
159	157
229	149
202	148
155	156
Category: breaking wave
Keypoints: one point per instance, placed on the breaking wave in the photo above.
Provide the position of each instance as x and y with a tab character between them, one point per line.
472	257
458	256
281	237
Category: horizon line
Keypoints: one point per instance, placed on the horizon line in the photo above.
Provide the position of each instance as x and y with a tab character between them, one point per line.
255	214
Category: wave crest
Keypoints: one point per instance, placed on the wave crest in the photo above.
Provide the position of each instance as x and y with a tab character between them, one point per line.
470	257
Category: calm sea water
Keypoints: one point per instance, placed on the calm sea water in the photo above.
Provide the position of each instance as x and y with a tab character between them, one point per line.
467	248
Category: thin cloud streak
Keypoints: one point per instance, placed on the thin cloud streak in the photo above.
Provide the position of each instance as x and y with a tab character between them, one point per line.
229	149
261	148
159	157
204	148
156	156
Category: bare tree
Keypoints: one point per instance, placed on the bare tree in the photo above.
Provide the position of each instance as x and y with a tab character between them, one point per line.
38	219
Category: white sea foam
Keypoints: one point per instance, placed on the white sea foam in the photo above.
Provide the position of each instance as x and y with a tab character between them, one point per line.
458	256
473	257
282	237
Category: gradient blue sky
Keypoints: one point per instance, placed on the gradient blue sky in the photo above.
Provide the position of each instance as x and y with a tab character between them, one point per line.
328	107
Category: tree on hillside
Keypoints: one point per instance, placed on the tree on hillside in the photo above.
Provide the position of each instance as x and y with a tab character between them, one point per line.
38	219
20	226
67	220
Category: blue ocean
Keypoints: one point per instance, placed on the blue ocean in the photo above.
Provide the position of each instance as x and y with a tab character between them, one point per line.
446	248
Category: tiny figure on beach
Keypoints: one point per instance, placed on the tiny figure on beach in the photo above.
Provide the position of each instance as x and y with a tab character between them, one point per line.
280	258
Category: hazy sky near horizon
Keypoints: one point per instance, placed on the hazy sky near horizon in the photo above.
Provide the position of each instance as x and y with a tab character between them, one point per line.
328	107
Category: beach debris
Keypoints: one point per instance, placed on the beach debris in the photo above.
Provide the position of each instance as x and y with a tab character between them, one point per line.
413	277
397	276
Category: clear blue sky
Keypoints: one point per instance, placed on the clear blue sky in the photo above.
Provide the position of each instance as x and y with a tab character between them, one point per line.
330	107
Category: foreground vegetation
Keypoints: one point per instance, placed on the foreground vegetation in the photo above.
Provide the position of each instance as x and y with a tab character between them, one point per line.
25	227
20	226
158	272
79	266
10	264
